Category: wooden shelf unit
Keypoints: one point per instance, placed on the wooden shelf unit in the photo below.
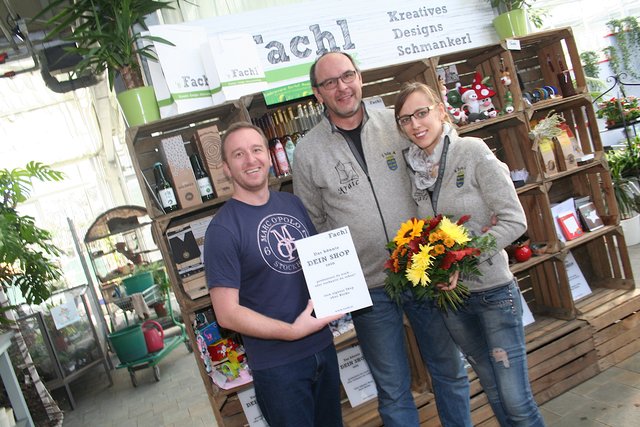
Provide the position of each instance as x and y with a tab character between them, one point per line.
570	341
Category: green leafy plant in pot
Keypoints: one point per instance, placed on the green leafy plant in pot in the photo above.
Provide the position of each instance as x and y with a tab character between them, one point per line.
102	33
26	262
26	250
512	17
160	279
624	166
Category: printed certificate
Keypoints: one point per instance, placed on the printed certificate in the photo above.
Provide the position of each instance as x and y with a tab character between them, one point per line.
333	273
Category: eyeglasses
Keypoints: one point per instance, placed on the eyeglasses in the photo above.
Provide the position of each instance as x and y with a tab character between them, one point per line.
419	114
332	83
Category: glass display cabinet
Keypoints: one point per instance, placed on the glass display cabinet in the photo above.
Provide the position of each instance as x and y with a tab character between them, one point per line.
62	339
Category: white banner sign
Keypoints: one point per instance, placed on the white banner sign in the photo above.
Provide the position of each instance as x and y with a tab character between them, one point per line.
377	33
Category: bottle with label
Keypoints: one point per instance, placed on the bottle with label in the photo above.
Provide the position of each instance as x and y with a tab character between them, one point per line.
165	190
204	183
281	165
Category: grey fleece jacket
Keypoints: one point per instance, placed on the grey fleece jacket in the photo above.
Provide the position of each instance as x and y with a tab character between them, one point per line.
474	182
337	192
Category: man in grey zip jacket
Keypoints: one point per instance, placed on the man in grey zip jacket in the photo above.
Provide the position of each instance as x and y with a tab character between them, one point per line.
350	171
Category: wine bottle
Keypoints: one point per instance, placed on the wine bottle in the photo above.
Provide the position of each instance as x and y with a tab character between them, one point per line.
164	189
204	183
293	125
277	148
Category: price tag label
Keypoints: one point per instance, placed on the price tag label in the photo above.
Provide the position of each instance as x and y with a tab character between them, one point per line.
513	44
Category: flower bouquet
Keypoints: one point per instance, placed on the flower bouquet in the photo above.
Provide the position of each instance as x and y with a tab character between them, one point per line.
425	252
615	109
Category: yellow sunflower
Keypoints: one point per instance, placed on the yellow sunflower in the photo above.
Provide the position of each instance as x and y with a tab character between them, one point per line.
408	231
453	231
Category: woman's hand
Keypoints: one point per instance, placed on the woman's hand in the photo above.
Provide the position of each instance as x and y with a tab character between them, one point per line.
494	221
453	282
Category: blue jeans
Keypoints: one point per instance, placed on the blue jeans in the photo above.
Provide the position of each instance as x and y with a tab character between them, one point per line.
490	332
381	337
305	393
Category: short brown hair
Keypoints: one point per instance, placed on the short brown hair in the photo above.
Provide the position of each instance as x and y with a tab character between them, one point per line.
312	71
409	88
236	127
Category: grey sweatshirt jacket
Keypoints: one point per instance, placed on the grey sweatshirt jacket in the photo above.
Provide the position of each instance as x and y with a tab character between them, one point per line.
336	190
476	183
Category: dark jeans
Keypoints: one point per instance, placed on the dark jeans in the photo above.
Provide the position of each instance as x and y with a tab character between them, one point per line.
305	393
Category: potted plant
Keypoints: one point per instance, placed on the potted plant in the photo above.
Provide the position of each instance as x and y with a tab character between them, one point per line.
624	166
619	111
625	46
156	275
102	33
162	280
25	262
512	17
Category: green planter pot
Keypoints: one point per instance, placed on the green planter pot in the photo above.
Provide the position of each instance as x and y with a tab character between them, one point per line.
139	105
511	24
138	283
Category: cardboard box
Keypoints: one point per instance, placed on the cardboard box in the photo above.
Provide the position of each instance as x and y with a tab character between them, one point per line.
178	166
187	246
208	143
565	154
195	286
547	153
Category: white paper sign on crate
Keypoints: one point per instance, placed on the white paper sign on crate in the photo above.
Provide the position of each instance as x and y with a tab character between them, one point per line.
355	376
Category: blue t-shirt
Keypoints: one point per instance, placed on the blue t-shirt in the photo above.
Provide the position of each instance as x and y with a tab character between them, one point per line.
251	248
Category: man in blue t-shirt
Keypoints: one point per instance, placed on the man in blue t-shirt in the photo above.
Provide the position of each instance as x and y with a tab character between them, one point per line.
257	288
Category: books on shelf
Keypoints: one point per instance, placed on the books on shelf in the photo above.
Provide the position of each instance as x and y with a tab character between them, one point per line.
590	217
570	226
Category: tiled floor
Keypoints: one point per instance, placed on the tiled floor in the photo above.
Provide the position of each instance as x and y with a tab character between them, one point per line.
611	398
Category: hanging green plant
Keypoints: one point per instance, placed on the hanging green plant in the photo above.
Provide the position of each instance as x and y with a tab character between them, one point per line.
590	63
627	35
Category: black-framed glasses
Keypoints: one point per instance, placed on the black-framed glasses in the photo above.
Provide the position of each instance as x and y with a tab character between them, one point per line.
419	114
332	83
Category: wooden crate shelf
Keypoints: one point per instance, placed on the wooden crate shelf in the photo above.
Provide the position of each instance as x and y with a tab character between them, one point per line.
386	82
592	180
614	316
580	117
546	290
507	137
143	143
604	263
489	61
544	55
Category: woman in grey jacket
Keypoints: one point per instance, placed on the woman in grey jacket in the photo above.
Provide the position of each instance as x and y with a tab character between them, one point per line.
457	176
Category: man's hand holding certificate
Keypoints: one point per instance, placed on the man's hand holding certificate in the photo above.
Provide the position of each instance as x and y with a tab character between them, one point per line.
333	273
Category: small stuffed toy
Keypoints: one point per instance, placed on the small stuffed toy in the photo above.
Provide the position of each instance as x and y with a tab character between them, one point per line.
508	103
457	115
505	78
472	96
